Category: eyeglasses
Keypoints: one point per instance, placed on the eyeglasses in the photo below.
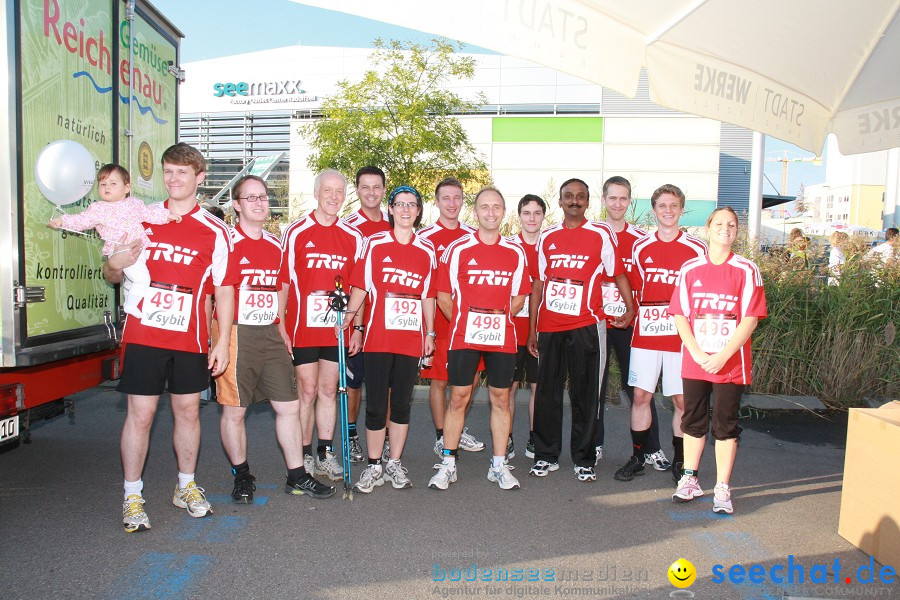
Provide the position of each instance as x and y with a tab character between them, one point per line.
405	205
255	198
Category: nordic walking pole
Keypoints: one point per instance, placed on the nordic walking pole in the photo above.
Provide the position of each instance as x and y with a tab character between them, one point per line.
339	301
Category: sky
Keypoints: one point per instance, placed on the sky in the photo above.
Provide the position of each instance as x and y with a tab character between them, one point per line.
217	28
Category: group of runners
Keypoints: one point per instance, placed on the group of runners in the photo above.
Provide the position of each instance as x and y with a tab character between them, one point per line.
448	302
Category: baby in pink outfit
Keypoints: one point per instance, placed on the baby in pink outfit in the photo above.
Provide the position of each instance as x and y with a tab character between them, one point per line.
119	219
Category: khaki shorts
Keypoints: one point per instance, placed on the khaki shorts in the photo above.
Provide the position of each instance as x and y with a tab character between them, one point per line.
259	368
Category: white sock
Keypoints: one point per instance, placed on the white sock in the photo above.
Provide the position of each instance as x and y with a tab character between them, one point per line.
134	488
497	461
184	479
449	459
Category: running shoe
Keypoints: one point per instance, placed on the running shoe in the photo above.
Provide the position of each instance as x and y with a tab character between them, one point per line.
243	489
542	468
529	449
371	478
439	446
386	451
585	473
510	450
598	454
688	489
444	477
722	499
329	467
503	477
658	460
356	453
633	467
468	443
192	498
397	474
308	486
133	516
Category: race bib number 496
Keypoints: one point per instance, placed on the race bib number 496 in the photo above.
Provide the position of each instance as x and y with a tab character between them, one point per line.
564	296
318	313
654	320
167	306
257	306
712	332
403	312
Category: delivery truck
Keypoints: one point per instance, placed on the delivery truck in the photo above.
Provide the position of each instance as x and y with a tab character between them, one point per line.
99	76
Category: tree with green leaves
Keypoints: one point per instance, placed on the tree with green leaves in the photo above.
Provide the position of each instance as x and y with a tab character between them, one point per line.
400	117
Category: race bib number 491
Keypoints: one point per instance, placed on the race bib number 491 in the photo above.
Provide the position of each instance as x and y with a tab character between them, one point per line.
257	306
167	306
654	320
613	305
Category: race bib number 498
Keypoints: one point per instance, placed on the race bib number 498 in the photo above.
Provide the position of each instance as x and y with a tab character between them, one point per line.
485	327
167	306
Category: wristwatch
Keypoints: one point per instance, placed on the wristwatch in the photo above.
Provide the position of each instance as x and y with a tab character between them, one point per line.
433	334
359	327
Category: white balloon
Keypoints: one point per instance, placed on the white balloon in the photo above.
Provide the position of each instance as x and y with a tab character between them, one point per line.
64	172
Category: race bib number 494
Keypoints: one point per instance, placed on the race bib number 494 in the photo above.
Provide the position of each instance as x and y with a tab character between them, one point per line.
485	327
257	306
654	320
318	310
403	312
564	296
712	332
167	306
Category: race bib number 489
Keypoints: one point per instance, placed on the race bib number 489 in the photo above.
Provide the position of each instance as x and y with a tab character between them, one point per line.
257	306
167	306
485	327
564	296
403	312
712	332
654	320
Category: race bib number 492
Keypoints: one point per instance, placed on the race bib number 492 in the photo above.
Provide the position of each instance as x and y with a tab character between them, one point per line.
318	310
403	312
654	320
257	305
167	306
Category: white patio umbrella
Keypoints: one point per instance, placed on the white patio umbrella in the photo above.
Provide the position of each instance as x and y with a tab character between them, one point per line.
793	69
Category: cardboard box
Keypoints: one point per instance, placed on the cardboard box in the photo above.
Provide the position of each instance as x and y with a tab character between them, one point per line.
870	499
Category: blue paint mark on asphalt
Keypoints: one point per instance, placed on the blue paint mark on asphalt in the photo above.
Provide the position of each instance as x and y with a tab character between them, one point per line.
681	517
158	575
216	499
214	530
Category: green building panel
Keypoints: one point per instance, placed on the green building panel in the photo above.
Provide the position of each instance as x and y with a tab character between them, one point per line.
548	129
695	212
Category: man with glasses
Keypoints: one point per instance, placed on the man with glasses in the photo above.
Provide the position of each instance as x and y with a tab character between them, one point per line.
259	368
314	251
369	220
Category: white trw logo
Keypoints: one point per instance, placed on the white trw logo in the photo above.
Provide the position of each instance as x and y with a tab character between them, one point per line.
489	277
401	276
316	260
170	253
711	300
568	261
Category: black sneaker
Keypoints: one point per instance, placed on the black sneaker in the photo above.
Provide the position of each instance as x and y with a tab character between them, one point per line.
634	466
677	471
243	489
310	486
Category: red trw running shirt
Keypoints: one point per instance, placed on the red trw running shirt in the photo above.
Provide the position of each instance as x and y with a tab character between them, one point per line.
397	277
715	298
571	263
656	264
520	319
367	226
183	258
482	279
312	255
441	237
613	305
254	269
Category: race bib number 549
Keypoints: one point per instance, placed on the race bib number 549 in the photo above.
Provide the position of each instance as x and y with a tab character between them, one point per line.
564	296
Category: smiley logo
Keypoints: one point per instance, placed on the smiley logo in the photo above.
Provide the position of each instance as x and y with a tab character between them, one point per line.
682	573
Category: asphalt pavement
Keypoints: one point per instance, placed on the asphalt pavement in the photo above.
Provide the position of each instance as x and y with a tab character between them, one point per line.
61	534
